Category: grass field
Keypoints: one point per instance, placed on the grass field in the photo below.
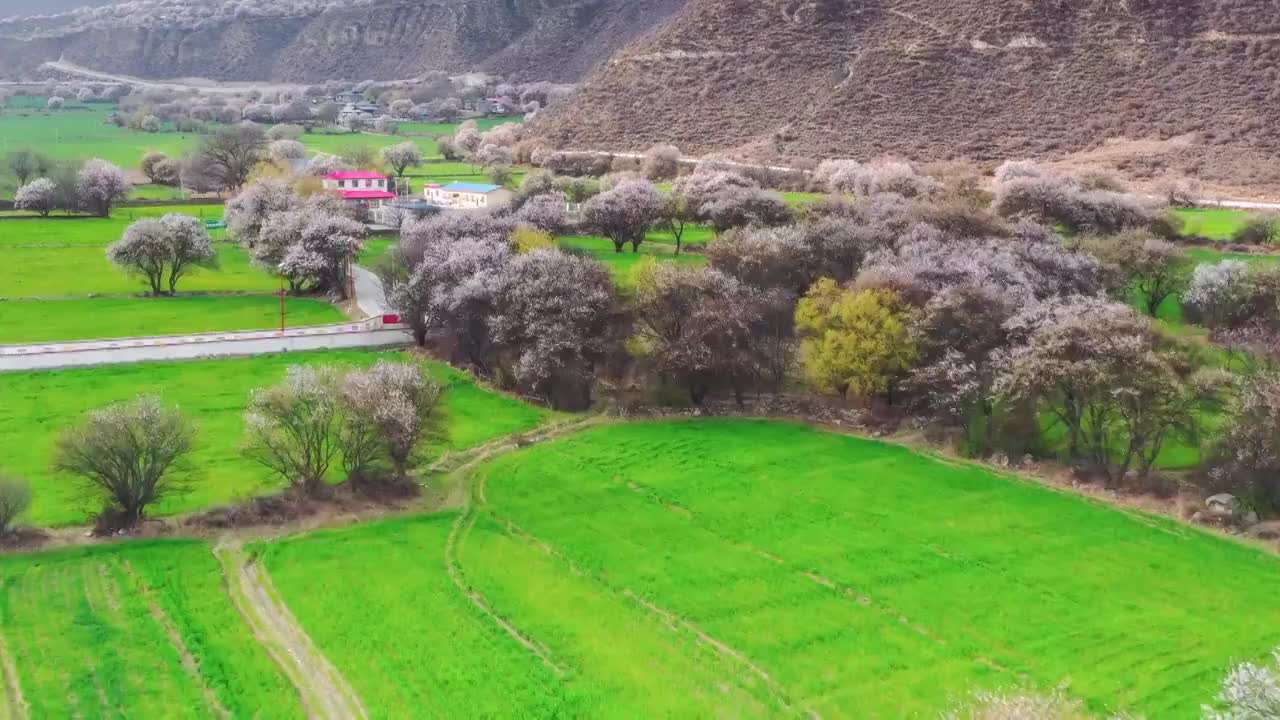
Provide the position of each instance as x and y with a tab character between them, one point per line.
867	580
33	321
622	265
1216	223
39	405
670	569
66	259
79	132
104	632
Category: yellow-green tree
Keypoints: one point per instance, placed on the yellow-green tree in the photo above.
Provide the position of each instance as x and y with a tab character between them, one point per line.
855	341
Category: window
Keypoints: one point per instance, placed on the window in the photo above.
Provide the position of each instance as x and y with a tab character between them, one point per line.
342	183
368	183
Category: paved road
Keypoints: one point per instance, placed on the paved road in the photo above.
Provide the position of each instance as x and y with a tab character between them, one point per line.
368	333
370	296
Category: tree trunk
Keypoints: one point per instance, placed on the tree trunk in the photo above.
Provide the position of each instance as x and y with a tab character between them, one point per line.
420	336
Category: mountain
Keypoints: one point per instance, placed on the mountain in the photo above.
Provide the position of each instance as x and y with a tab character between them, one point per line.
308	41
1143	86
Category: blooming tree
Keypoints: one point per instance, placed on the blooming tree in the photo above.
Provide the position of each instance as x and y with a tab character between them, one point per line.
625	213
99	186
293	427
402	157
285	151
389	409
39	196
554	318
164	250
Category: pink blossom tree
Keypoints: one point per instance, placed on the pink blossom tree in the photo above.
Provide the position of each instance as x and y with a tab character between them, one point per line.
99	186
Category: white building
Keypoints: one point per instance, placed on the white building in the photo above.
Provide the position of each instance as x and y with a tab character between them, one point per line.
368	189
468	196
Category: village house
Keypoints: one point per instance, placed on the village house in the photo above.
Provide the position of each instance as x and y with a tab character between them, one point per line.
468	196
361	187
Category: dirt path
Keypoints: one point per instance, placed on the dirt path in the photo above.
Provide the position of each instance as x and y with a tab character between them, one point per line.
324	691
14	706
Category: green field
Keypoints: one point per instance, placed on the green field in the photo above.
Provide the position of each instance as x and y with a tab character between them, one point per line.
668	569
34	321
622	265
104	632
871	581
65	258
80	132
1215	223
39	405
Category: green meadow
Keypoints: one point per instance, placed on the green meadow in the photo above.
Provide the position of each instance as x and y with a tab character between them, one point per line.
39	405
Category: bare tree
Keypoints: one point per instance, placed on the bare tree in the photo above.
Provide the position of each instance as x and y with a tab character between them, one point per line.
15	498
124	454
661	162
26	164
230	154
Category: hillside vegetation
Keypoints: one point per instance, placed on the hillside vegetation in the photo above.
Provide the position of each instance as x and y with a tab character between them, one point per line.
304	41
1143	86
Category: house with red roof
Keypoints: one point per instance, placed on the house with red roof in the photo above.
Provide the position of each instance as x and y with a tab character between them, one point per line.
366	188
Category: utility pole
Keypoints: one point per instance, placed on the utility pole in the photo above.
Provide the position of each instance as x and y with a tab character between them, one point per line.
282	303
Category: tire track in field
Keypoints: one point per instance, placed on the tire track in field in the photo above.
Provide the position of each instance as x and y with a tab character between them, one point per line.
474	494
325	693
15	705
843	590
189	661
669	618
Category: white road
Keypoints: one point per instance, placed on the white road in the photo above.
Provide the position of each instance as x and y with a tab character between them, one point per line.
48	356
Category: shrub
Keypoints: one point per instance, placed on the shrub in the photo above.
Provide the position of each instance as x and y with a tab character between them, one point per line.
1260	229
15	498
124	455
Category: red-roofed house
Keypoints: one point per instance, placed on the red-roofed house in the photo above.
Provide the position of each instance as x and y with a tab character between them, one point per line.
369	189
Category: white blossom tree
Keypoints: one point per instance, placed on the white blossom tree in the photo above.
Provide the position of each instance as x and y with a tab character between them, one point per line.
99	186
163	251
38	196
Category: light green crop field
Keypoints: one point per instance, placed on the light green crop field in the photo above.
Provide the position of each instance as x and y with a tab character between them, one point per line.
81	131
866	580
39	405
34	321
670	569
622	265
1216	223
104	632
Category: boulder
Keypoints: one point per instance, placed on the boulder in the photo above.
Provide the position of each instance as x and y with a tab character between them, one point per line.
1221	504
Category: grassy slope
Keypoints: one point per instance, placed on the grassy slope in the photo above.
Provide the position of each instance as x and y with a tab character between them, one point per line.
870	581
88	630
38	405
33	321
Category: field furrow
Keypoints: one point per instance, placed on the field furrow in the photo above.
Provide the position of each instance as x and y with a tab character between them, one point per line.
874	582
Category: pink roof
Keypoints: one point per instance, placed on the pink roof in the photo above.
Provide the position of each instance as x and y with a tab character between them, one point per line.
367	195
355	175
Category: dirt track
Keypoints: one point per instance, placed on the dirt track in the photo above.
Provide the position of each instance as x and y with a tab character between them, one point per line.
324	691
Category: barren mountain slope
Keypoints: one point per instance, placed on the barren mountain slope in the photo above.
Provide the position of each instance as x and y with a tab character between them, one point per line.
527	39
1146	84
